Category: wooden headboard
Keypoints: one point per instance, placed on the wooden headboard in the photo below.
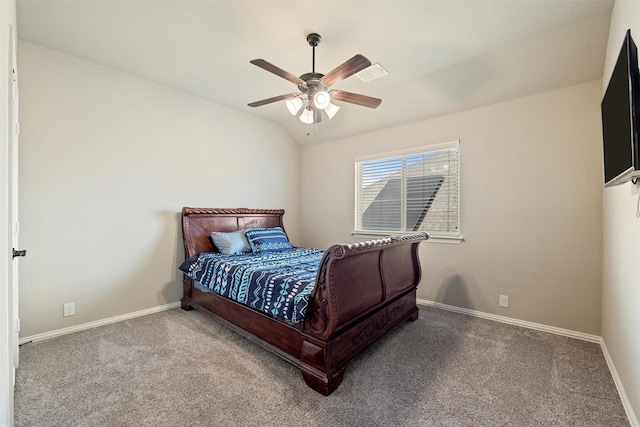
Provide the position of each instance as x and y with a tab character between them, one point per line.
198	223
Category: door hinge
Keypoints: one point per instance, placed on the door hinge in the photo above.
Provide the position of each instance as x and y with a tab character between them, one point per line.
17	326
17	129
16	227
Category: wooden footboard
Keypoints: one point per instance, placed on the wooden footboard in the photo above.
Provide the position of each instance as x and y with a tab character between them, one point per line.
362	291
354	280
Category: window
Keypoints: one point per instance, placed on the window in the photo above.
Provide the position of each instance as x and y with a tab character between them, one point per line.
416	190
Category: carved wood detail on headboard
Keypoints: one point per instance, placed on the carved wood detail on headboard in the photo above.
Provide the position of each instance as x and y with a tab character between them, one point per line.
232	211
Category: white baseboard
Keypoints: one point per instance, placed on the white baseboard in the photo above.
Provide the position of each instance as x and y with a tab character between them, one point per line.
626	403
84	326
618	381
517	322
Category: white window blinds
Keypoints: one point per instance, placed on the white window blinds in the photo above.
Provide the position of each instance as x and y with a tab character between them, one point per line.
416	191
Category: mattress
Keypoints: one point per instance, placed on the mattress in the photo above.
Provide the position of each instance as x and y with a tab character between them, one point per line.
277	283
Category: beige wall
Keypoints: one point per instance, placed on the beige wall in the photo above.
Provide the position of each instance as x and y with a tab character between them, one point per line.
531	205
621	262
107	162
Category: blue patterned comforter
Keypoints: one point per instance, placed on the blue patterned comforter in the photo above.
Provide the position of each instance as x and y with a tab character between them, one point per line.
276	283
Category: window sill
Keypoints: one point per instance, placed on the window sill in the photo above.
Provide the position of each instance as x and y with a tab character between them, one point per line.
450	240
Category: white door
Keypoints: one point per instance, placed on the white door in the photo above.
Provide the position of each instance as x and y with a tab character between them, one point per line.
13	196
9	323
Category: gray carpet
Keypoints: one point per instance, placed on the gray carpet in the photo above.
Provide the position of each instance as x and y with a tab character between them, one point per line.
179	368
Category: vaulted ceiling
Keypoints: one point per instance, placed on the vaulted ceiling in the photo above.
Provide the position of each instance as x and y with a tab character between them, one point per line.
442	56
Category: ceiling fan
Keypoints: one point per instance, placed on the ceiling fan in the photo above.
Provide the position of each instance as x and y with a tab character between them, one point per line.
314	93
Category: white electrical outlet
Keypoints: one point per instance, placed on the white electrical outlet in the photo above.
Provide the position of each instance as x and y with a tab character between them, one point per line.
69	309
503	301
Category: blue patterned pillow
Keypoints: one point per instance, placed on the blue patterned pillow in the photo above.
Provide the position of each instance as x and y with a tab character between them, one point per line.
268	240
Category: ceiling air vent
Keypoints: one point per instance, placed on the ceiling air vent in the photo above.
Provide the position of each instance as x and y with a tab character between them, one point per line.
372	72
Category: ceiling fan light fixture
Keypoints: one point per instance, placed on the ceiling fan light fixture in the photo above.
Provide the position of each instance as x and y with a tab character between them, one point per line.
307	116
321	99
294	105
331	110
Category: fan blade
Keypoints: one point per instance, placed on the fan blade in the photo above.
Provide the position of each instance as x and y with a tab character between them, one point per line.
349	68
354	98
274	99
277	71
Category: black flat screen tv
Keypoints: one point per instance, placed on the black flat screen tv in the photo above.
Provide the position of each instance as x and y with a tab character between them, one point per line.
620	114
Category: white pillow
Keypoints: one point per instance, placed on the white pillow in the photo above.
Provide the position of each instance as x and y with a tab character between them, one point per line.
231	243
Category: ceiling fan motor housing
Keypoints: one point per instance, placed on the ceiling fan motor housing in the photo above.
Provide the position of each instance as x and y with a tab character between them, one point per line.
312	82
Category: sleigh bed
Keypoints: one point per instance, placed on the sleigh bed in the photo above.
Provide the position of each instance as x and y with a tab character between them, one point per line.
361	291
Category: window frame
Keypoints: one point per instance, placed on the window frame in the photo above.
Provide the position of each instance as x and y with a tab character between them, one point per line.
448	238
